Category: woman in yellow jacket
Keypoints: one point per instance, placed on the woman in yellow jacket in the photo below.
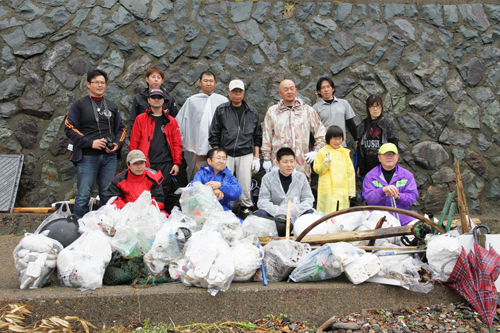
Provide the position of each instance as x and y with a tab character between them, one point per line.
336	173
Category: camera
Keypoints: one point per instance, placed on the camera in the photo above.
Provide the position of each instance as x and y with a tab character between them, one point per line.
109	143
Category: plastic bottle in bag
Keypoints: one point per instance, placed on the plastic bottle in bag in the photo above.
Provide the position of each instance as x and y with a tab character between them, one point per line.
173	245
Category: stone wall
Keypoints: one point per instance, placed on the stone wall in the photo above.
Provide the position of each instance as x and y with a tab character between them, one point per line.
435	66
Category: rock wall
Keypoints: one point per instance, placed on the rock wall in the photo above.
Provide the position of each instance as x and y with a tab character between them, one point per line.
435	66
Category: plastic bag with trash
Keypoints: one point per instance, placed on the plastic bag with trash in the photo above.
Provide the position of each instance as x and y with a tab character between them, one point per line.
282	256
409	272
198	201
104	219
247	258
130	241
346	222
294	209
260	226
442	253
35	258
209	263
306	220
82	264
143	215
320	264
177	219
225	223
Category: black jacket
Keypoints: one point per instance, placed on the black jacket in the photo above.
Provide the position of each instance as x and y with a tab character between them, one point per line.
237	139
141	104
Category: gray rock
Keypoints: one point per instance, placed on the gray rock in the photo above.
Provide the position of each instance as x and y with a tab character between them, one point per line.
394	58
137	7
378	31
444	175
421	180
412	11
182	93
272	30
433	15
176	75
351	22
26	133
446	37
67	170
124	44
490	54
80	16
160	8
260	11
220	72
69	81
257	92
293	32
405	27
5	133
374	11
59	16
345	326
4	24
113	66
65	99
491	116
398	102
270	50
494	192
428	100
53	56
414	59
341	42
487	38
343	64
206	22
94	45
97	20
15	146
475	161
251	32
455	137
11	89
8	110
53	3
475	16
169	30
51	132
257	58
467	114
320	55
397	39
427	128
31	50
61	35
108	3
361	10
114	92
443	55
325	8
482	96
117	20
394	10
319	27
442	114
238	46
50	176
456	88
366	45
427	67
154	47
405	154
306	10
344	86
240	11
236	65
220	89
494	13
33	104
362	29
379	52
16	38
410	81
363	73
135	69
193	74
218	47
343	10
179	10
451	14
176	53
297	53
29	164
409	128
469	35
278	10
30	11
472	72
50	86
8	61
494	75
426	43
197	46
387	79
360	94
284	47
81	65
429	155
437	79
482	142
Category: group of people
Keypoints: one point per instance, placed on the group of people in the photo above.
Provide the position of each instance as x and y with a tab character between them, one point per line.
221	141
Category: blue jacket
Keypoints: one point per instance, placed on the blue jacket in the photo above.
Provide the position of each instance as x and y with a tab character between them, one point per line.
229	184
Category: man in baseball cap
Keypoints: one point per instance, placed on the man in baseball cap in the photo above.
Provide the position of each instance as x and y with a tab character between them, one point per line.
389	184
236	129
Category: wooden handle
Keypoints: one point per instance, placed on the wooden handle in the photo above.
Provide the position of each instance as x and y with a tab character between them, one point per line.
39	210
288	206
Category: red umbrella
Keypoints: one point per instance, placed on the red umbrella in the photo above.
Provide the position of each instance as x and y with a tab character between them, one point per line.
474	278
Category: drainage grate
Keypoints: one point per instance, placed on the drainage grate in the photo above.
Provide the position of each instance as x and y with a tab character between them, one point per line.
11	167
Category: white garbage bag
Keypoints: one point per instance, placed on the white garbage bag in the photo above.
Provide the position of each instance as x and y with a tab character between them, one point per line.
282	256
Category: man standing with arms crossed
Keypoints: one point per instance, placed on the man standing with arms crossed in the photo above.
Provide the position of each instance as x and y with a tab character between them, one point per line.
288	124
195	118
95	126
236	128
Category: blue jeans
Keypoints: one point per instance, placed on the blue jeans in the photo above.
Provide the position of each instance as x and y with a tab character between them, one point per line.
91	168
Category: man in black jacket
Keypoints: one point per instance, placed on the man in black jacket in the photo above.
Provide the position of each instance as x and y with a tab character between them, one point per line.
154	79
236	128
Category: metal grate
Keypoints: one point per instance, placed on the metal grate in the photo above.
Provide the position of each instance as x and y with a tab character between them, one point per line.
11	167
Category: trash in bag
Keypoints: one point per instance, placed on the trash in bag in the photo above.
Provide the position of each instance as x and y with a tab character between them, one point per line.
320	264
260	226
409	272
61	226
35	258
442	253
82	264
104	219
282	256
294	209
306	220
198	201
247	258
130	242
167	246
227	224
346	222
209	262
177	268
143	215
178	219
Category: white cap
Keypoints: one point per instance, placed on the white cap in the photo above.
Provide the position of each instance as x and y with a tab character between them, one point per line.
236	84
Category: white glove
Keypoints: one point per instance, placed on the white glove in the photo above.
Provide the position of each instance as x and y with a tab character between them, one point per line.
327	158
267	165
310	156
255	165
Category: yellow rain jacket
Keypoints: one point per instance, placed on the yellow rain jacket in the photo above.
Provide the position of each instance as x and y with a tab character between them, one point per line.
336	179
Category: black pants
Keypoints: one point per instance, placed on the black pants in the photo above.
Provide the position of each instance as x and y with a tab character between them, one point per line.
167	184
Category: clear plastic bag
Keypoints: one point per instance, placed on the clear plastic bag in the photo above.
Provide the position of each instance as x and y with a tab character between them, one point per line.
282	256
346	222
247	258
104	219
262	227
167	246
82	264
178	219
442	253
198	201
320	264
143	215
409	272
294	208
227	224
209	262
35	259
306	220
130	242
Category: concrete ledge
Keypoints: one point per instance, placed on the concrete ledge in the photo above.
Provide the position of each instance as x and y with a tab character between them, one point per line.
312	302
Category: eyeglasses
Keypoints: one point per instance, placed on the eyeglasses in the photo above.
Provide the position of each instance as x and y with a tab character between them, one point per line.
389	154
99	83
156	97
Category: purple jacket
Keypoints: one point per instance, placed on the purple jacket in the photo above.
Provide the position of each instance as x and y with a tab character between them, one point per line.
402	179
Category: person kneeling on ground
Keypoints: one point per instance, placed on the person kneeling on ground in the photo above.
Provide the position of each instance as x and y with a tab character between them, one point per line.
390	184
225	186
130	184
284	183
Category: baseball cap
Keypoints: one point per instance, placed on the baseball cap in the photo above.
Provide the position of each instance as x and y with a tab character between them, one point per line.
156	91
236	84
135	156
388	147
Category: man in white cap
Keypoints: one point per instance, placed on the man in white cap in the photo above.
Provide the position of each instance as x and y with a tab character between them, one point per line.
236	129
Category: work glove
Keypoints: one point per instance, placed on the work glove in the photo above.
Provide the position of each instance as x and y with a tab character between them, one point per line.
255	165
327	158
310	156
267	166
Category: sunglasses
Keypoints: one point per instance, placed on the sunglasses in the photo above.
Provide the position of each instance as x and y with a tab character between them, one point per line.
156	97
